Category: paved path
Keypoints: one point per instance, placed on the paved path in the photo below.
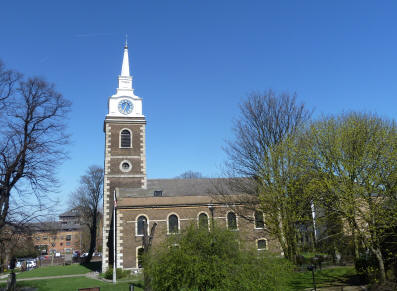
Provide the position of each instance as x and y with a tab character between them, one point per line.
339	288
50	277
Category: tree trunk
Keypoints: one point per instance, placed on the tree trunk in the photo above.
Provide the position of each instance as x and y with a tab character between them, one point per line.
92	243
355	244
12	282
147	244
379	257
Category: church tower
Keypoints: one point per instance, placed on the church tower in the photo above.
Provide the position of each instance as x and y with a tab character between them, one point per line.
125	159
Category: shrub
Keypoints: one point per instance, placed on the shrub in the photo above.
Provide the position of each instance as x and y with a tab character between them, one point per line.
119	274
367	267
201	260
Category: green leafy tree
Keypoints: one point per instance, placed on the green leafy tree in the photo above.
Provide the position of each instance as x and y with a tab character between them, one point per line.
199	259
353	161
263	164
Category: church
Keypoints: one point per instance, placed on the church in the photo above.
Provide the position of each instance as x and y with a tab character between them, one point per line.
130	199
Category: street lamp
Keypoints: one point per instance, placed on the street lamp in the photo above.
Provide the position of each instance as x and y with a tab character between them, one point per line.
312	268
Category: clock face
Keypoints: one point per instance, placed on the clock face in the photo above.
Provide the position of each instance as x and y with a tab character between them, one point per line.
125	106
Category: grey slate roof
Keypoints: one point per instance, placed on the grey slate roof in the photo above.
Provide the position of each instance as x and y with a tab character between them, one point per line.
70	213
53	226
174	188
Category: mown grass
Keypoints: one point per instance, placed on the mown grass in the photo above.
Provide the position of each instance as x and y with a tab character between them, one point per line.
55	271
331	277
69	284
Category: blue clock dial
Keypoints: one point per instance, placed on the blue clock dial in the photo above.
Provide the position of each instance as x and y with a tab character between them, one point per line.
125	106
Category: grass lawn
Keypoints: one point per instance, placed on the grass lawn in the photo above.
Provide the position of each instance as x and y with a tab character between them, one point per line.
58	270
69	284
337	276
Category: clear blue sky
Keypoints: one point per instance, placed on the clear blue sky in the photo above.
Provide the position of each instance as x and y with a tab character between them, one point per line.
194	61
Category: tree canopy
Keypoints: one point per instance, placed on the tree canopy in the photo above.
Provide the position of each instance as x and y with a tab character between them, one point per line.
32	143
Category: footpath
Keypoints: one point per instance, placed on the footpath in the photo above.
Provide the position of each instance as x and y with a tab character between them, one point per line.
91	275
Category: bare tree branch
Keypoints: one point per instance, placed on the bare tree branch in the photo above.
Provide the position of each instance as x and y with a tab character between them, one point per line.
32	138
86	199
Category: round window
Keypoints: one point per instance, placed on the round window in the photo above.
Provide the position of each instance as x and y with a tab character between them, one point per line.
125	166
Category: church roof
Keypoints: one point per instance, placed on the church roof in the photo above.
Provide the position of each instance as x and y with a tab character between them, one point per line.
175	188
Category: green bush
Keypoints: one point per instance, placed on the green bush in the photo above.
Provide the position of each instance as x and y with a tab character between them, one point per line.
119	274
201	260
367	267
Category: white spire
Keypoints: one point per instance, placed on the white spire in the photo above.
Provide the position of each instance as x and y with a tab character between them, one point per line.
125	68
125	80
125	91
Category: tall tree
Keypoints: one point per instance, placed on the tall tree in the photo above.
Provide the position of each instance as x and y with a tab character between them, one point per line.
262	152
353	158
32	140
87	200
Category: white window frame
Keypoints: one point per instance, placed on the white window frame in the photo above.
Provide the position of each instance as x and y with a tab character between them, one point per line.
267	244
168	222
198	219
137	257
136	224
121	166
121	130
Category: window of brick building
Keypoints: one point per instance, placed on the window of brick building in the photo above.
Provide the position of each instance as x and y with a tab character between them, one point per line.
142	220
125	138
262	244
68	243
173	224
203	221
259	222
69	237
139	259
231	221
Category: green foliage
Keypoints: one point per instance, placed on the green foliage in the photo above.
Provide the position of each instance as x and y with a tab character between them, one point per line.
119	273
367	267
201	260
352	159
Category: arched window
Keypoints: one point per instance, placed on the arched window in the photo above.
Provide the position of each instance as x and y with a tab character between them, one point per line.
125	138
259	222
141	221
231	221
203	221
173	224
139	257
262	244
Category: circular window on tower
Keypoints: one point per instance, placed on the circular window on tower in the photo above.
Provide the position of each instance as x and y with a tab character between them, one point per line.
125	166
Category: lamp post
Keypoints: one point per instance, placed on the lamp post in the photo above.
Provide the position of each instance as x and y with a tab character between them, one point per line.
312	268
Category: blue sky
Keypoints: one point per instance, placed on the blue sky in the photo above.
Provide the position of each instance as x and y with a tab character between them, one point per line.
194	61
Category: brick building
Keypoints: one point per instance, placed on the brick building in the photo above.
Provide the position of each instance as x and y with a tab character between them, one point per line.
56	237
171	203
